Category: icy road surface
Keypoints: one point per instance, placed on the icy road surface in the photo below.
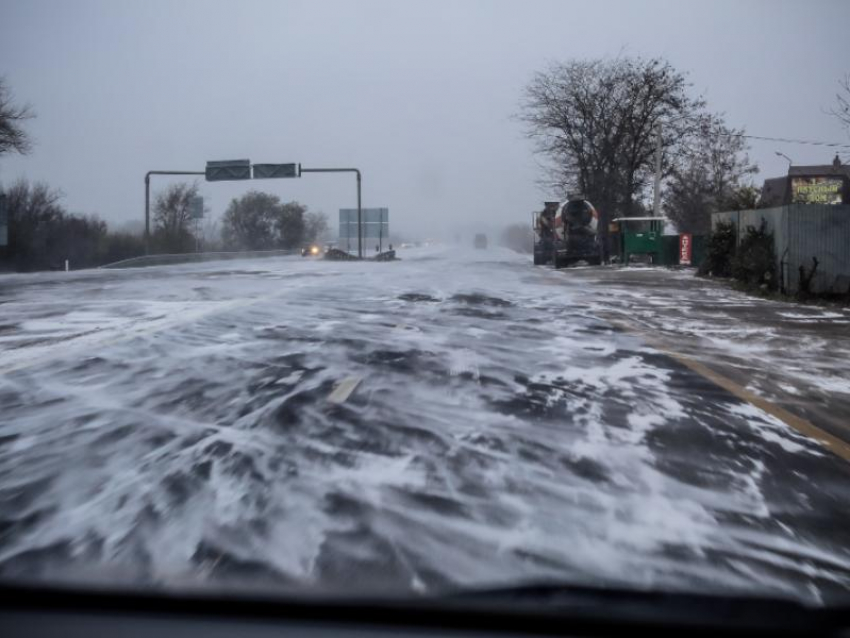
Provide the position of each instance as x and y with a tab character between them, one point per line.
179	425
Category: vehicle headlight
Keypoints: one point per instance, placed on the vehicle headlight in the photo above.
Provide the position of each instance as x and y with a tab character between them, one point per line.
314	250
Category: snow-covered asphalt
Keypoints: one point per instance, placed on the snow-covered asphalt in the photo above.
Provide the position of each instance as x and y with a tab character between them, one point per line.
454	419
794	355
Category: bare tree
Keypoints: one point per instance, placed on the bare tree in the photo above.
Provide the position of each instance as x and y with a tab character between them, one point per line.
315	226
172	218
289	225
595	122
710	176
42	234
841	110
210	234
745	197
260	221
13	138
32	209
248	222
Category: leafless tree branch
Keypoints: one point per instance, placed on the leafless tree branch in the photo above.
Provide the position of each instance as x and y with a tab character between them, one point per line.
841	110
13	138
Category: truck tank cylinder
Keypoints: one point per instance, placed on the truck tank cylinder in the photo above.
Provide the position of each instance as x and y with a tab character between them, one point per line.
578	214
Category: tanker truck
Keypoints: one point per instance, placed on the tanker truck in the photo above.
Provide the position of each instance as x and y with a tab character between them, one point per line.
565	233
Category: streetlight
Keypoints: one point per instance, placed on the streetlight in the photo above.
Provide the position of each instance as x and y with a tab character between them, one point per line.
790	161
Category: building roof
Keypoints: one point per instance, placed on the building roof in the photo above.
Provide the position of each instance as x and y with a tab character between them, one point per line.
773	191
820	169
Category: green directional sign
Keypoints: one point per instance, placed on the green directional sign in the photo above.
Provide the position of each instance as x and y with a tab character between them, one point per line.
225	170
196	207
272	171
376	223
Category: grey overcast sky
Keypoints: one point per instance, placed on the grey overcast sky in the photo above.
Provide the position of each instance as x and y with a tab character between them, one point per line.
418	94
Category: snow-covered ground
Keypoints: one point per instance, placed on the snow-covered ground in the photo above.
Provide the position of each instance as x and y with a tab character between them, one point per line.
795	355
197	424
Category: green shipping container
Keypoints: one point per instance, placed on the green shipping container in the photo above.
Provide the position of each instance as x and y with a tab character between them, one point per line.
669	251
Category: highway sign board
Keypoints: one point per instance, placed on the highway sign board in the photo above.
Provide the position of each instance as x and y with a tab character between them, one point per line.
376	223
224	170
270	171
196	207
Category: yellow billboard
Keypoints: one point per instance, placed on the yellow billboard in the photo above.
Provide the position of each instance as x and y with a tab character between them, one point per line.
817	190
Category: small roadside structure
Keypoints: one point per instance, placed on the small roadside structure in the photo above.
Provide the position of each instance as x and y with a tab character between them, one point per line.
641	236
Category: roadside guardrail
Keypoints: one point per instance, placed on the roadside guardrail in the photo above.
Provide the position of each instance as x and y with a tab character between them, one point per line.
189	258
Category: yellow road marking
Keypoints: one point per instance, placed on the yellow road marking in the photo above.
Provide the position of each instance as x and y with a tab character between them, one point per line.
803	426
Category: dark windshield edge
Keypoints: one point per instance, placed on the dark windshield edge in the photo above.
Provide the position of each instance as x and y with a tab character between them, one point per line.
573	610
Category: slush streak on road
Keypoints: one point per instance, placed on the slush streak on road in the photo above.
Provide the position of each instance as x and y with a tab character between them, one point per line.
174	423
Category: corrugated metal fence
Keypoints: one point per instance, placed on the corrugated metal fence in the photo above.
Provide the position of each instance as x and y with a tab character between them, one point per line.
800	232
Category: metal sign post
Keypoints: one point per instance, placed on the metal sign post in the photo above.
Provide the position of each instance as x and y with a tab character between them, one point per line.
196	207
359	208
196	214
242	169
375	224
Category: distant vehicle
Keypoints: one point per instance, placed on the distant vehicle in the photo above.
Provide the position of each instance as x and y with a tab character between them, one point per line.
480	241
313	250
565	234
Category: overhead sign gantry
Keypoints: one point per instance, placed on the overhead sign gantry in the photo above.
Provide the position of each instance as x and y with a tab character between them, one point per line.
242	169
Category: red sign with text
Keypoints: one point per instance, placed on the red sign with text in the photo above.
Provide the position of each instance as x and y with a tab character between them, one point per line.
685	244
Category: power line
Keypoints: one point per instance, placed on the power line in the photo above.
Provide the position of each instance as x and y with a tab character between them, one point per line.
786	140
783	140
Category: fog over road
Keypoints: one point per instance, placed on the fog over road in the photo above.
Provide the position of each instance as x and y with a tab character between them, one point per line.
454	419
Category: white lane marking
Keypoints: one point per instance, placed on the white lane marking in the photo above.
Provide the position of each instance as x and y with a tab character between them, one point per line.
344	389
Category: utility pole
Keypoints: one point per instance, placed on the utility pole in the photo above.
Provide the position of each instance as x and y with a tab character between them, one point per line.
656	191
